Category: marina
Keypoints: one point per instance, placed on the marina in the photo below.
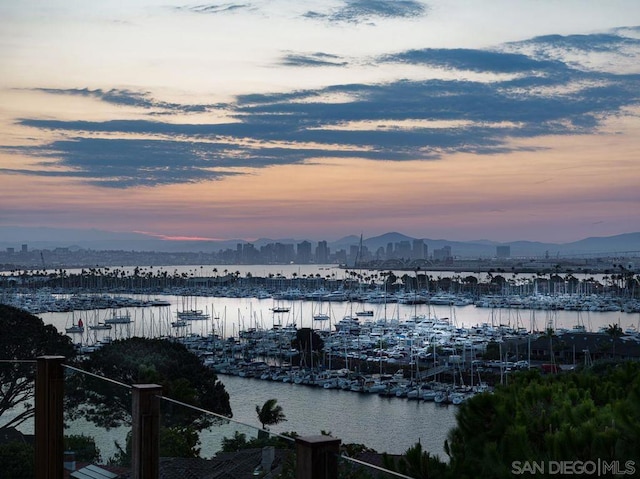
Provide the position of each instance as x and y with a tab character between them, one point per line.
410	312
405	349
228	315
396	363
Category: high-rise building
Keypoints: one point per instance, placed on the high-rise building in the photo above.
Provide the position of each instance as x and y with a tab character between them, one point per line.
403	249
322	253
418	251
249	253
503	251
304	252
284	253
442	254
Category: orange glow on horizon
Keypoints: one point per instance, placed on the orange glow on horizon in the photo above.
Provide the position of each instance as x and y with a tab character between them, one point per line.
177	238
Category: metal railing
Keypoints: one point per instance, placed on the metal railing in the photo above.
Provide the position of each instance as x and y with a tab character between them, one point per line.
313	457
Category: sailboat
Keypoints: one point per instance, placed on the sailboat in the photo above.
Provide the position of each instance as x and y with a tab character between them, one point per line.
190	312
367	313
280	309
118	318
320	315
99	326
75	328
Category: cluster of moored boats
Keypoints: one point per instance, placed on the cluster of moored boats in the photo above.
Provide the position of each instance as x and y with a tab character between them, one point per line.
49	300
421	349
385	385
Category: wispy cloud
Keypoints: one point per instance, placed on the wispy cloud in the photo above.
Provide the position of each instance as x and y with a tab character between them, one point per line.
603	42
344	11
215	8
395	121
318	59
131	98
616	51
359	11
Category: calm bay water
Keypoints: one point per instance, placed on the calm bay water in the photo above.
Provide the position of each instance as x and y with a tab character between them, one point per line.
389	425
385	424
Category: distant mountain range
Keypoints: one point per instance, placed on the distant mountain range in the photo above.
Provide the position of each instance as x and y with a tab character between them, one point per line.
623	244
14	237
75	239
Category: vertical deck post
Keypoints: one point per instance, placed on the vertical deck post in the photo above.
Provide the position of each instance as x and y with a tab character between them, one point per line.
49	426
145	433
317	457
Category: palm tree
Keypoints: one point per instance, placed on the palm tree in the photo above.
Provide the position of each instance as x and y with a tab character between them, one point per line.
615	331
270	413
550	333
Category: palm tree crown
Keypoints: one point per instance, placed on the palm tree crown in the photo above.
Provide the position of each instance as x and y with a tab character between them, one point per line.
270	413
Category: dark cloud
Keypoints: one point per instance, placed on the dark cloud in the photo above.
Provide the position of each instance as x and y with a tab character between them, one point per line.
541	97
603	42
358	11
473	60
125	163
122	163
313	60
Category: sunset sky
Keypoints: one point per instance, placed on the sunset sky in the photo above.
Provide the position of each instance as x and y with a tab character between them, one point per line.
498	119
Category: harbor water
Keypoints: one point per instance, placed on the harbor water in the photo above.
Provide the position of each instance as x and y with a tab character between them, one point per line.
389	425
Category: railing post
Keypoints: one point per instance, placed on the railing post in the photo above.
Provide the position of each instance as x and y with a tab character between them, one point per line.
49	425
317	457
145	432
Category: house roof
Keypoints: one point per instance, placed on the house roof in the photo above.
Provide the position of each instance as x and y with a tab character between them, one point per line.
11	434
92	472
237	465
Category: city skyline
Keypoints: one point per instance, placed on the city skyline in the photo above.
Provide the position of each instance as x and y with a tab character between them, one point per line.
188	121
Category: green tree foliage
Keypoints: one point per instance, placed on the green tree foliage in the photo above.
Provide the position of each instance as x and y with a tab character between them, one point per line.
83	446
17	460
310	345
24	337
416	463
181	374
593	414
179	442
235	443
492	351
239	441
173	442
